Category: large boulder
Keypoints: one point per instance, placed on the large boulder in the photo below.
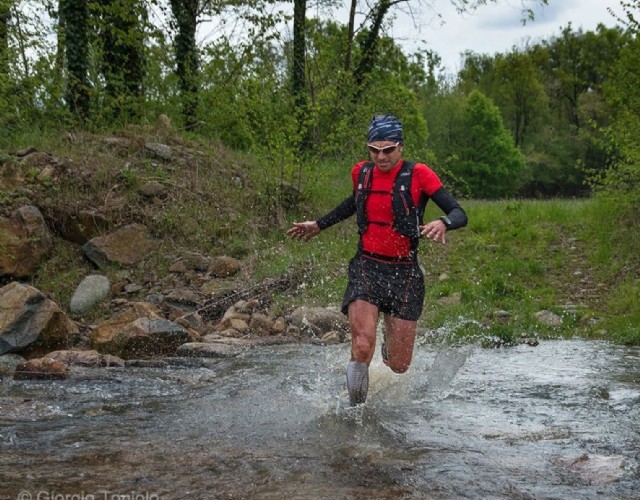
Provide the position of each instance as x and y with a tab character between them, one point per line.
24	242
138	332
126	246
30	322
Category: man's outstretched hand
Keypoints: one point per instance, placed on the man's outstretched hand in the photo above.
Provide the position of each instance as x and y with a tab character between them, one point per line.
304	230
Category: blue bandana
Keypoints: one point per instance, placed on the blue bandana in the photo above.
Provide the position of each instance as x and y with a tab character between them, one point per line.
385	128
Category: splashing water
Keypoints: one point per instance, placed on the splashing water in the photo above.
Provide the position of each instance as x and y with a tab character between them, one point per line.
556	421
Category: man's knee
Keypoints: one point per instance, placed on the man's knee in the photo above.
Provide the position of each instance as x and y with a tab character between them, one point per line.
363	343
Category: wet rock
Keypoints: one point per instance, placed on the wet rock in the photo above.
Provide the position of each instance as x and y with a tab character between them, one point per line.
90	358
25	242
126	246
548	318
223	266
598	469
30	322
105	332
152	337
110	360
8	363
316	321
530	342
41	369
146	363
92	290
208	350
145	338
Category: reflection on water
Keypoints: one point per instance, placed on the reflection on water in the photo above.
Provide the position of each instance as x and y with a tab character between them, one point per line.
555	421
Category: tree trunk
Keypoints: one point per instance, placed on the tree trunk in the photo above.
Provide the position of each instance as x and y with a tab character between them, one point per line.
350	35
299	52
123	64
185	13
5	17
75	17
370	47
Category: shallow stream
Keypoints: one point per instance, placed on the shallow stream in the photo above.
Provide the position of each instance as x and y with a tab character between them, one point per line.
560	420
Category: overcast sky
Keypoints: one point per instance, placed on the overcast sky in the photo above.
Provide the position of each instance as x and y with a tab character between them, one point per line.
496	27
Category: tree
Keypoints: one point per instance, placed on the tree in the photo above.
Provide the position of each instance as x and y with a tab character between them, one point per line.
121	36
299	52
521	93
74	17
185	13
487	157
621	180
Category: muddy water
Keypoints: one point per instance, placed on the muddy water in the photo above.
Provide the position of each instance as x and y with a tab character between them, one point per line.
561	420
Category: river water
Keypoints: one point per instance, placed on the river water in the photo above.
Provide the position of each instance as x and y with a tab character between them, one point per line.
560	420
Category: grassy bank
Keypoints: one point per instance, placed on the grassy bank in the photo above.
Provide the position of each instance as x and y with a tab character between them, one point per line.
576	258
514	259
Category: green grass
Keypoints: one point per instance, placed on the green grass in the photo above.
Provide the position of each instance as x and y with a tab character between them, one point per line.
577	258
515	258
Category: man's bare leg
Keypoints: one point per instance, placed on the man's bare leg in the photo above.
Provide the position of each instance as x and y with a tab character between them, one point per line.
363	320
400	336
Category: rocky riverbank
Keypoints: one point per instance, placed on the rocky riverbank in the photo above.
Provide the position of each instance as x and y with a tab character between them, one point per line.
136	297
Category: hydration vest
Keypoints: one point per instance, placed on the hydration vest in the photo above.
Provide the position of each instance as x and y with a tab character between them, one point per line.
406	216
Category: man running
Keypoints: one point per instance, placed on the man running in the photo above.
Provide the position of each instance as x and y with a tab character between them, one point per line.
389	197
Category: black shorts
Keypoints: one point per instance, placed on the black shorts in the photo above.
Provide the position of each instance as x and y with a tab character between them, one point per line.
395	287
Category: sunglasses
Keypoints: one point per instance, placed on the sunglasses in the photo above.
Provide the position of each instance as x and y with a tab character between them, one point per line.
387	150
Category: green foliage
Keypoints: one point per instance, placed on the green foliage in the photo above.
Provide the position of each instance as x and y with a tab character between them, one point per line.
621	181
487	158
120	37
